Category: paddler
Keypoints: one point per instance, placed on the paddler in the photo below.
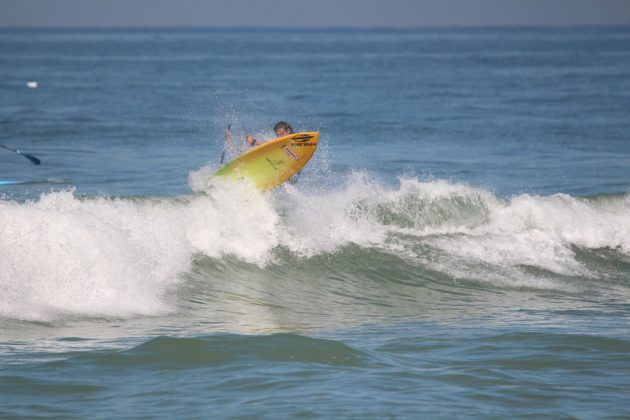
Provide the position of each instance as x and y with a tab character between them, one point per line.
281	129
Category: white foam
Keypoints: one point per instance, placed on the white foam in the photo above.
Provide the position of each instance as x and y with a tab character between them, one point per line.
62	255
95	257
322	221
463	231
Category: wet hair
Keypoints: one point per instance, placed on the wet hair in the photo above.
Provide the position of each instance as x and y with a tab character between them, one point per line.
284	126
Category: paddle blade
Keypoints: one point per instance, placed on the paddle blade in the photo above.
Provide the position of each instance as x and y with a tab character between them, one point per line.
32	159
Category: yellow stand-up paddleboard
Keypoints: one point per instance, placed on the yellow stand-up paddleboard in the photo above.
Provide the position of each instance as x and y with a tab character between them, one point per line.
273	162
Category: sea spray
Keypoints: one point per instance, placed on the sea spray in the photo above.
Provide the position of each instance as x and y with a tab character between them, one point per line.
460	230
116	257
109	257
99	256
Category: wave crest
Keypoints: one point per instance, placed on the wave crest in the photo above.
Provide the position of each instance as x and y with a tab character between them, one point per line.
65	255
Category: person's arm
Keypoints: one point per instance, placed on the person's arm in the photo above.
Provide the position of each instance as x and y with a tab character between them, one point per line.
228	138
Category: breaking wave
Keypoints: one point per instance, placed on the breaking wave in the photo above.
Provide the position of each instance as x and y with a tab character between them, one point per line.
64	255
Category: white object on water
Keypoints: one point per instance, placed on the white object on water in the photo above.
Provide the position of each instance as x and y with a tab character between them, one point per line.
32	84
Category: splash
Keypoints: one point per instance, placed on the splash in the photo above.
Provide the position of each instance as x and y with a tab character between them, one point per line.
63	255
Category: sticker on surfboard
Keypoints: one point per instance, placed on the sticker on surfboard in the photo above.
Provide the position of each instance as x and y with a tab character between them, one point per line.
288	151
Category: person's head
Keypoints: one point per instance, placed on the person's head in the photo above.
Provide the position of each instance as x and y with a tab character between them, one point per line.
282	129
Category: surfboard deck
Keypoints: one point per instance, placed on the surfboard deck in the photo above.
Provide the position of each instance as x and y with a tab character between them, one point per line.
273	162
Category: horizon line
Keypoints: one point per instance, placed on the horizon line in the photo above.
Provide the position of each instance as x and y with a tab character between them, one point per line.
329	27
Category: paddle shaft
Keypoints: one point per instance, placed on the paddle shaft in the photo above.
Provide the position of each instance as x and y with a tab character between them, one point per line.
228	139
27	156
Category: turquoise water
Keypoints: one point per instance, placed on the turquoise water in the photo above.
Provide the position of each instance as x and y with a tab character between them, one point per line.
459	246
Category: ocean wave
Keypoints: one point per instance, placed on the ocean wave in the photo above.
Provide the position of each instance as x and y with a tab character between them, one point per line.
63	255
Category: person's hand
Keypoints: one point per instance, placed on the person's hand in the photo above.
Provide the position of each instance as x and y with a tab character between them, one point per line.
249	139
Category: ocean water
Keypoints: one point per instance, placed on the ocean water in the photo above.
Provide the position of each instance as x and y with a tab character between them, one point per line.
459	246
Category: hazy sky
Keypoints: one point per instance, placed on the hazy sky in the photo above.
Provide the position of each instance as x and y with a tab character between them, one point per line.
302	13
